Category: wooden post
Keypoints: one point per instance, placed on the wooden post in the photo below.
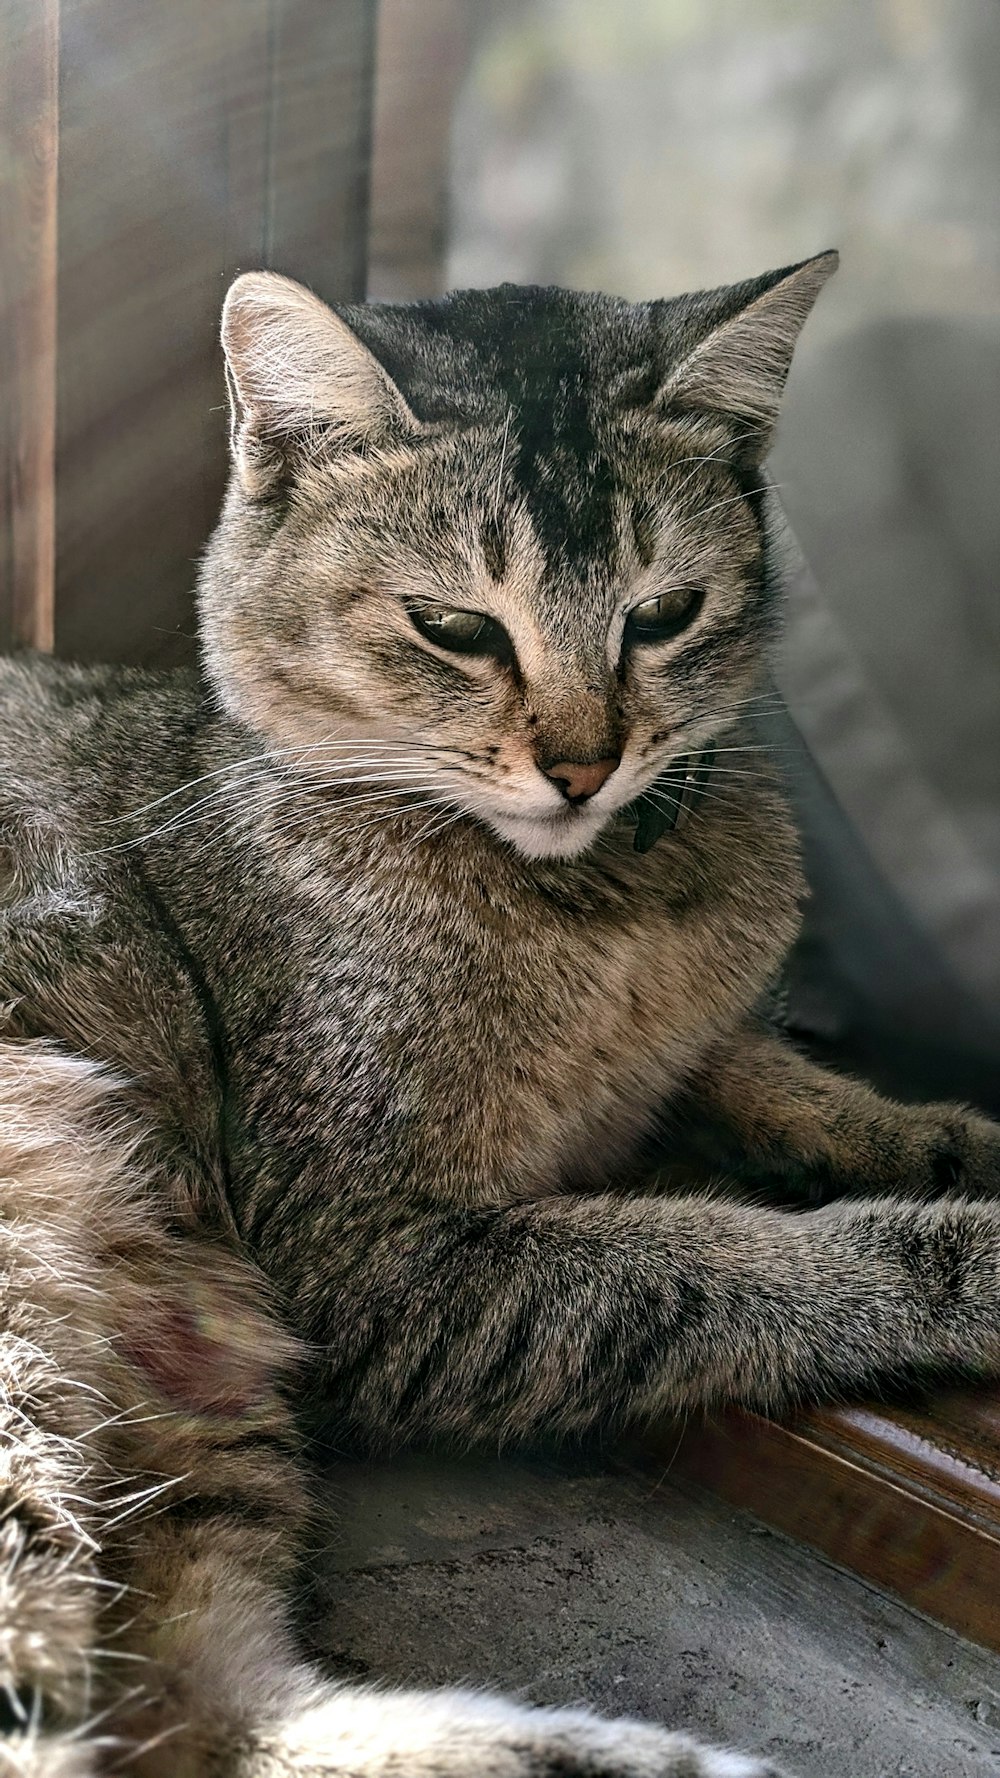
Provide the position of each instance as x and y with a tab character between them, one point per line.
29	137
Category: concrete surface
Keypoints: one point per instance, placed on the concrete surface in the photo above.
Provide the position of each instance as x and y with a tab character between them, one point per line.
564	1581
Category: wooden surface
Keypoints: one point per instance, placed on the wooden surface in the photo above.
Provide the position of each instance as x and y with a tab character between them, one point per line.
906	1497
197	141
29	136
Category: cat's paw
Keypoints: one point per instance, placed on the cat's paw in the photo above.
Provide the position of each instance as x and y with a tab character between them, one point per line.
735	1765
631	1750
369	1734
963	1153
683	1758
580	1745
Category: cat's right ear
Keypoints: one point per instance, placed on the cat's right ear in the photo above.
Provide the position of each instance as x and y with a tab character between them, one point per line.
300	382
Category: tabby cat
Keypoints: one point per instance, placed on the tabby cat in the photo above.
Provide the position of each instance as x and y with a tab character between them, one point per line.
350	983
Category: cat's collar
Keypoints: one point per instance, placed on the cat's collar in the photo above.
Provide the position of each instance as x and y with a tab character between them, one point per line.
669	802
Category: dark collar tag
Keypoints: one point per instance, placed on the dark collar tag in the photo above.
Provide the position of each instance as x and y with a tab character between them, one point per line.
668	804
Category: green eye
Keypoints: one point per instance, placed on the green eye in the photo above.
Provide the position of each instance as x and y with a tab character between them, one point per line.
464	632
656	620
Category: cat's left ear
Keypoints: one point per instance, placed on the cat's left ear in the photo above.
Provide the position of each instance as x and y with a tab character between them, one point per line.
739	366
300	382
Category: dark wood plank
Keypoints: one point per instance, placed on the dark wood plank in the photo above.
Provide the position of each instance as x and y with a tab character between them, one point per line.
29	141
908	1498
197	141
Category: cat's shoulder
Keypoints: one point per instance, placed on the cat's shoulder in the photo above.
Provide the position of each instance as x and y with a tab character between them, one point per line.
59	720
73	737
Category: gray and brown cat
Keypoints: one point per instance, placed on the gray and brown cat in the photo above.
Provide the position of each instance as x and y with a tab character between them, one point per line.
349	982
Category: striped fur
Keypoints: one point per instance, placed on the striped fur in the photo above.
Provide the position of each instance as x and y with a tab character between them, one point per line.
339	1045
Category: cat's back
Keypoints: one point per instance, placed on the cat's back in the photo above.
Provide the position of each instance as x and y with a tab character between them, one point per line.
71	737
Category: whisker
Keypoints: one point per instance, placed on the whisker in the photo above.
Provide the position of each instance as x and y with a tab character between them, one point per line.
756	747
711	771
376	796
731	500
723	454
401	775
427	833
767	700
275	754
304	802
659	791
304	819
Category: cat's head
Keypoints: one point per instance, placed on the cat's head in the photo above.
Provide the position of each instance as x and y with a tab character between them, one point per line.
506	551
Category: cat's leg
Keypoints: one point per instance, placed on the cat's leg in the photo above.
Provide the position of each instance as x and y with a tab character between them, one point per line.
570	1311
764	1111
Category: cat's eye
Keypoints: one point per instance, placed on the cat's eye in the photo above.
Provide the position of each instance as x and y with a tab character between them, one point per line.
464	632
656	620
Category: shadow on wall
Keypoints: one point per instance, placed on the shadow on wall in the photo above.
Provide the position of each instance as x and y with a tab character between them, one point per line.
891	667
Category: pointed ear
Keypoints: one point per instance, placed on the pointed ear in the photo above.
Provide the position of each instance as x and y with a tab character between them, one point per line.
739	368
299	381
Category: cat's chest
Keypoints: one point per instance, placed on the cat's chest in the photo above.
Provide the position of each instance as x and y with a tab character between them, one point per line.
497	1039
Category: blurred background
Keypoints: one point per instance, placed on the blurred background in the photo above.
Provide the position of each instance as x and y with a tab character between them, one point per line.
645	148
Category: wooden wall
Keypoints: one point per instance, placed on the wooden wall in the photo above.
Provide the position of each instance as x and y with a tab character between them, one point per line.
192	141
29	60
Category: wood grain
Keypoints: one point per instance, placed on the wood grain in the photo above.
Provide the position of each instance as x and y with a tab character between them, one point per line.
29	152
907	1497
197	141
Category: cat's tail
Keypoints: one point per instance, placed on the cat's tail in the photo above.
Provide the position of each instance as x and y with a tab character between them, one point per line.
65	1156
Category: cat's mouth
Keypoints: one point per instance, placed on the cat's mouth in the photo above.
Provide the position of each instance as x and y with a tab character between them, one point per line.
664	807
562	832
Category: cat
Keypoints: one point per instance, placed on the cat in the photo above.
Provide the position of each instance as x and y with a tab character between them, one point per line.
351	983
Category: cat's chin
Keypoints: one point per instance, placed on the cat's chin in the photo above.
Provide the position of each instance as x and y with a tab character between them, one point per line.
554	836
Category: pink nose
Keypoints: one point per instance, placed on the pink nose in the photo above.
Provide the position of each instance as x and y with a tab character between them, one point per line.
579	779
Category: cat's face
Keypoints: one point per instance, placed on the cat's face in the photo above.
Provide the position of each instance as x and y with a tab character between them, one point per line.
504	553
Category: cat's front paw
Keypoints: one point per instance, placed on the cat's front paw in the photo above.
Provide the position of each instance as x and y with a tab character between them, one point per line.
963	1153
589	1747
717	1764
367	1734
737	1765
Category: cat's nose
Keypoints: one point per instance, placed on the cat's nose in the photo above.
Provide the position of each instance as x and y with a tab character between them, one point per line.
579	779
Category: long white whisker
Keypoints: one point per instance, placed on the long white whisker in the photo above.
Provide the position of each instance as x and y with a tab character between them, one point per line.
200	810
722	455
428	832
298	796
753	747
275	754
762	700
303	819
658	791
711	771
731	500
352	802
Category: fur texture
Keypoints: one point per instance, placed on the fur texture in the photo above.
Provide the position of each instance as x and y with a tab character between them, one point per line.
342	1031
